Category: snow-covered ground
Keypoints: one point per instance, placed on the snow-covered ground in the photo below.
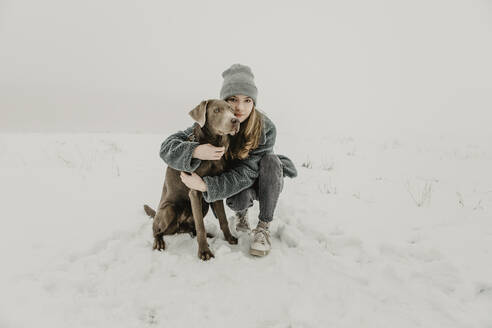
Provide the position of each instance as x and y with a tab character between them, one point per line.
372	233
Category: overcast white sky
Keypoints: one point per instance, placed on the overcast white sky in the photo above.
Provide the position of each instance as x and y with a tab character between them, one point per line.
348	67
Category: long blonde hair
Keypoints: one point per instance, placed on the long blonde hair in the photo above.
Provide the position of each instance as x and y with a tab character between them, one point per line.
248	137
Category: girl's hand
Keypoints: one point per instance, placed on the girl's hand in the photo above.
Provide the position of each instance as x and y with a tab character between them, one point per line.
208	152
193	181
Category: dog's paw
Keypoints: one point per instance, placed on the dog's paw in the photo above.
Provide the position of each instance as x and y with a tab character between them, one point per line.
159	243
231	240
205	254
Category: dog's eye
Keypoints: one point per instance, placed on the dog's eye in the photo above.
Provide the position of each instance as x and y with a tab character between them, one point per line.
216	110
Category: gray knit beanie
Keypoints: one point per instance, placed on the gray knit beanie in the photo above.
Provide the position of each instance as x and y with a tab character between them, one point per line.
238	80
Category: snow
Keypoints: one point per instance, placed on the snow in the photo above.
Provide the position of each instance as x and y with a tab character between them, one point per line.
351	245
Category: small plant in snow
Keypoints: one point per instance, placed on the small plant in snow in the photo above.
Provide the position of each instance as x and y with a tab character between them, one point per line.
460	199
327	165
307	164
352	152
115	165
112	146
327	188
461	202
478	206
65	161
421	196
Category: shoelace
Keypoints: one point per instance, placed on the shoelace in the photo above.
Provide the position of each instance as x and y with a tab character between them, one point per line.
261	236
243	220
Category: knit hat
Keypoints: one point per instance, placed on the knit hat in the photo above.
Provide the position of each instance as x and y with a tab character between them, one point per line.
238	80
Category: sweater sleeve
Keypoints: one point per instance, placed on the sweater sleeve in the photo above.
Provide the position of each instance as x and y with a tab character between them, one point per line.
176	151
242	175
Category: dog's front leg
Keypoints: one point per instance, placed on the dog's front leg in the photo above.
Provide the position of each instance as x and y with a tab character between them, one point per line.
196	207
218	207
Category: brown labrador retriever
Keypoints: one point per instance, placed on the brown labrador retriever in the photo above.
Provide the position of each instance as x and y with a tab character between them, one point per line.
182	209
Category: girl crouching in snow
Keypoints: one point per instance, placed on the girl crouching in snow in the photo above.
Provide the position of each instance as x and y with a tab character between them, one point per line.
256	172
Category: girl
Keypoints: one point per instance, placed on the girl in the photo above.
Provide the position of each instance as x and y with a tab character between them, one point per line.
256	172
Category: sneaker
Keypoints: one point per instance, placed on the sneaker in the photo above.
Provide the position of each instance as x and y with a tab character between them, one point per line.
261	244
242	223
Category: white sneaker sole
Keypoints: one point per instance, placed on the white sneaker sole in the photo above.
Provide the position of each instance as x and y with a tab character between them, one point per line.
257	252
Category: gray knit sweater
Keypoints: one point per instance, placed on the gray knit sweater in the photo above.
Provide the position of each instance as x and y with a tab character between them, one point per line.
177	152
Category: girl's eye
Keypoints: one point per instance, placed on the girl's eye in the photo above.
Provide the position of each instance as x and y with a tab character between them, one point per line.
216	110
248	100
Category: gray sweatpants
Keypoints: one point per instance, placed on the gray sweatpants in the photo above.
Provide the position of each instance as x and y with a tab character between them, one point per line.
266	189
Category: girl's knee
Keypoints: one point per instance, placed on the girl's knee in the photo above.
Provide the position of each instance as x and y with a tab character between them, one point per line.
270	164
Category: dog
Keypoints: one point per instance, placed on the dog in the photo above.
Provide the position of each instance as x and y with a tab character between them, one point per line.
182	209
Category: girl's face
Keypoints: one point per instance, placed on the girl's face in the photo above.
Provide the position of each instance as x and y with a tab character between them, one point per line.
243	105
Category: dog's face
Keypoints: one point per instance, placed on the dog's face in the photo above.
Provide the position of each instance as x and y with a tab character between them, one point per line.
217	115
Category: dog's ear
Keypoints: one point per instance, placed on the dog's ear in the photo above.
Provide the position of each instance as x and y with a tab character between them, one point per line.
199	113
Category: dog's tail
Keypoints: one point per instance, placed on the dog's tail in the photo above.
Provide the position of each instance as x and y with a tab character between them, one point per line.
149	210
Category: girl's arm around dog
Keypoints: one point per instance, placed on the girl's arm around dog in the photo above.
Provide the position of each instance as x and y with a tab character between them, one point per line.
177	152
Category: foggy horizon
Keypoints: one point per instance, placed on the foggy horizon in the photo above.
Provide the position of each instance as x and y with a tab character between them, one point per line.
347	68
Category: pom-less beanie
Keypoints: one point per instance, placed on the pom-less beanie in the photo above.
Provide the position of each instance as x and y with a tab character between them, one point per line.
238	80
